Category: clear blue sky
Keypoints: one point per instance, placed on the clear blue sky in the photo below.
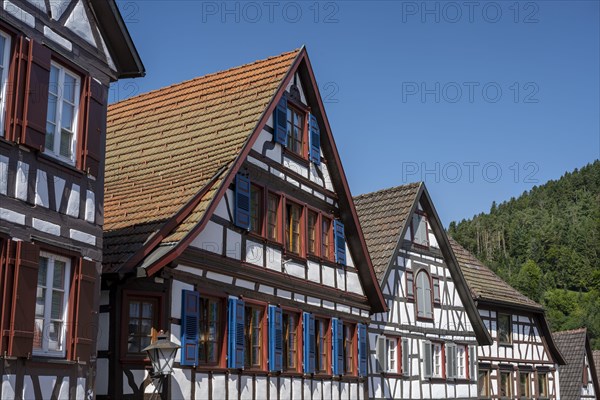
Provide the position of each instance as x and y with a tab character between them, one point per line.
481	100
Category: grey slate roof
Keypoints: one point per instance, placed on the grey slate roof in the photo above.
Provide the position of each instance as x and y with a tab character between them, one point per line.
573	345
382	216
485	284
596	357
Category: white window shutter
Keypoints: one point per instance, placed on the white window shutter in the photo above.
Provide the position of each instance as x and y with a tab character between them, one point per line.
381	354
427	360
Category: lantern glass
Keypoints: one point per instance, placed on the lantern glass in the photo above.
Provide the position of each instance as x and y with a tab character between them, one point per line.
162	354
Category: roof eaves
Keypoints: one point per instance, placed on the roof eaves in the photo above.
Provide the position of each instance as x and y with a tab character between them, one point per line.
119	40
460	283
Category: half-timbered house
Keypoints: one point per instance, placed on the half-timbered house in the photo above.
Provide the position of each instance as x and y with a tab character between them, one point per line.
57	60
424	347
578	378
523	360
230	225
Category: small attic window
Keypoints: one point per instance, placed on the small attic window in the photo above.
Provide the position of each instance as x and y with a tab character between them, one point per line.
419	229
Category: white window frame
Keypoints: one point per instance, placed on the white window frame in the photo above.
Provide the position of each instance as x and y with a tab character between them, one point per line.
44	351
461	362
62	70
437	356
5	63
391	347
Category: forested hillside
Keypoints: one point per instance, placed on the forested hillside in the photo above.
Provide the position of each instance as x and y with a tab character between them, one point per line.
546	243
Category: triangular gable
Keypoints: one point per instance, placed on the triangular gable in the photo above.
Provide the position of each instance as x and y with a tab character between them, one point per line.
421	199
196	218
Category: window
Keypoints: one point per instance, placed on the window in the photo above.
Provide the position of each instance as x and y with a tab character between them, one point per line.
142	324
295	131
504	329
419	229
4	61
63	104
438	350
461	362
424	306
451	359
273	217
483	383
505	388
436	290
210	335
312	232
542	385
51	305
253	336
321	345
405	357
256	209
292	228
410	285
290	342
391	345
326	238
524	385
349	353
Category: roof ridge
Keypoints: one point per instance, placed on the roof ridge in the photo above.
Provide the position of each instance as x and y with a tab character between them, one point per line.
576	330
390	189
174	85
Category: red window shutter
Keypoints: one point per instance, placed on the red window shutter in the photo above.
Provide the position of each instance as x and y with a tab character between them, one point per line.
94	127
84	300
37	77
4	303
22	313
16	89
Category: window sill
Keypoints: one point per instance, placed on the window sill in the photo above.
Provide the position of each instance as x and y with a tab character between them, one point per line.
45	157
296	157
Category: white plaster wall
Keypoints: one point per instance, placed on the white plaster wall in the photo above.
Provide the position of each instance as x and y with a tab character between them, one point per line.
210	239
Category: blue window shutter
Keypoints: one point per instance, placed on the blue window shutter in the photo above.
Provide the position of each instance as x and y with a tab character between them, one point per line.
337	335
242	201
315	139
190	317
275	339
362	350
280	121
235	334
308	329
340	242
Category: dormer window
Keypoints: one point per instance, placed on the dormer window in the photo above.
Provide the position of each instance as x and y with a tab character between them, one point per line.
419	229
63	107
4	60
295	130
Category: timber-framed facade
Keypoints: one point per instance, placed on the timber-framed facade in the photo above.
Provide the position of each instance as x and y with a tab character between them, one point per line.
424	347
56	64
523	360
237	234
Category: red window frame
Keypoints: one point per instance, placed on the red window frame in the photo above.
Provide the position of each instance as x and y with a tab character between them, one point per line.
353	344
416	290
319	353
301	227
302	111
269	212
326	236
158	323
263	340
298	332
257	215
222	342
314	251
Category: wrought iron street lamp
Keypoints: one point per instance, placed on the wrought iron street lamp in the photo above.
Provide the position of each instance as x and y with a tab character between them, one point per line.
162	355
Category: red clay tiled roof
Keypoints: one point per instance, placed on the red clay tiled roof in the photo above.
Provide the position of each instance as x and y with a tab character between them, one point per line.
484	283
164	146
382	216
